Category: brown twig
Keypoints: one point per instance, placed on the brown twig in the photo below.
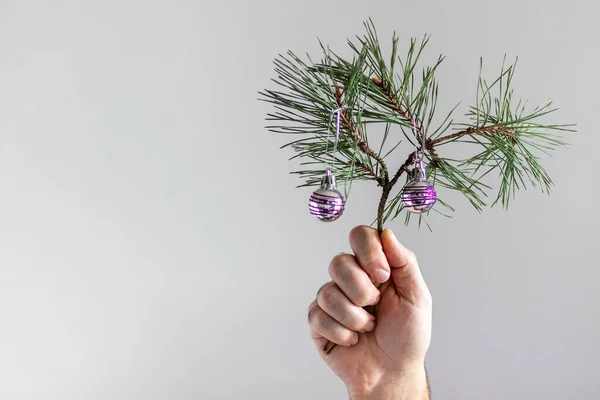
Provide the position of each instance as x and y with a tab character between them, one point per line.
491	129
394	101
388	188
405	167
362	145
365	168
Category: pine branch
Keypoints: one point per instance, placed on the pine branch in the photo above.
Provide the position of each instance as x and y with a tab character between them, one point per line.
393	92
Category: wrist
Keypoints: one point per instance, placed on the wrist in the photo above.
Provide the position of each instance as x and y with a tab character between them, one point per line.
408	384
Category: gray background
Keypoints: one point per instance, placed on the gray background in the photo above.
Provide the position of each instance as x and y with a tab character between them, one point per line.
153	246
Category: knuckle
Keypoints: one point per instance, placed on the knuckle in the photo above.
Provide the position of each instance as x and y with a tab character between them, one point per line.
340	267
353	322
363	299
356	231
321	289
359	231
312	310
346	320
346	338
320	320
374	261
358	237
315	315
327	296
411	256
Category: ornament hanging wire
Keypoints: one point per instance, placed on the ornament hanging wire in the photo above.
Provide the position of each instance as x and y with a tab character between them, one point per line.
421	151
338	113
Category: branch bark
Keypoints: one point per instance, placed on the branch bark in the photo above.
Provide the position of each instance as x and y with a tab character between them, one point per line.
492	129
362	145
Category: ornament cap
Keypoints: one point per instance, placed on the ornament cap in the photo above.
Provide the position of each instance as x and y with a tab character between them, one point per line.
328	182
418	172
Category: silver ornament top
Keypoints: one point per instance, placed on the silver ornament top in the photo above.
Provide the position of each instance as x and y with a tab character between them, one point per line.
328	181
418	173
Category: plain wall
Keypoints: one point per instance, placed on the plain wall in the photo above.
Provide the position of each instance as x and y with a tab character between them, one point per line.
153	245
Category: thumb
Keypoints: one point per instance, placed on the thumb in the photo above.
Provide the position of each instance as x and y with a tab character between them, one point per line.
405	272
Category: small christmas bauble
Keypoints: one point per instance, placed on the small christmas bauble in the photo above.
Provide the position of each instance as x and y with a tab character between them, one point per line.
327	203
418	195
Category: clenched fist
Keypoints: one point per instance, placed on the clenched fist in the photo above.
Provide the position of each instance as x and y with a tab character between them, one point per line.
377	310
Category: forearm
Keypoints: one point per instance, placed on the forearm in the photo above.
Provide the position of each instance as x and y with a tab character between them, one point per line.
412	385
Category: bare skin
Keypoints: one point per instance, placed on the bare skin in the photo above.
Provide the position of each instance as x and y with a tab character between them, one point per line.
380	355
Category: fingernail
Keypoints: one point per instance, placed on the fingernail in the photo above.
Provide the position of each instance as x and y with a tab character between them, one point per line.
354	340
381	275
370	326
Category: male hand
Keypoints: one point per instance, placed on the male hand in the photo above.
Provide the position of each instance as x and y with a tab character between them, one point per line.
380	355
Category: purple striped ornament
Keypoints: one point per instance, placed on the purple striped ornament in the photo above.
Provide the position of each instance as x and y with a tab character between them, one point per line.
327	203
418	195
